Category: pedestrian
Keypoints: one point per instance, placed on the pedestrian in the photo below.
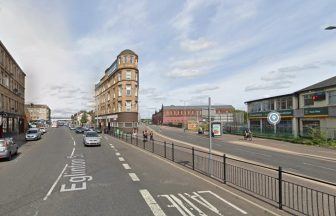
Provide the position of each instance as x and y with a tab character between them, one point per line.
144	135
151	136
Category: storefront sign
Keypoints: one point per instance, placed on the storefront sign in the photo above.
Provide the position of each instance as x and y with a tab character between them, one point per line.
216	129
283	113
320	111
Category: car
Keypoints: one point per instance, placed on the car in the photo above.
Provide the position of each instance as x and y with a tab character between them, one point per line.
98	130
79	130
8	148
43	130
91	138
72	127
33	134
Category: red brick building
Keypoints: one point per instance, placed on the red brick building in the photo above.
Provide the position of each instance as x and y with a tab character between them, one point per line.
179	115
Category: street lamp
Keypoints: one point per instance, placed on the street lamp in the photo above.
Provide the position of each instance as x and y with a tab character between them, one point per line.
330	28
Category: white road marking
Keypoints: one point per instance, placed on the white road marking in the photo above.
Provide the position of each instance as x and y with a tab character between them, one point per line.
118	154
174	204
134	177
55	183
126	166
72	153
121	159
225	201
74	143
319	166
157	211
206	180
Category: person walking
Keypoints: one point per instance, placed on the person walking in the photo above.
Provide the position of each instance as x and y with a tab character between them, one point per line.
151	136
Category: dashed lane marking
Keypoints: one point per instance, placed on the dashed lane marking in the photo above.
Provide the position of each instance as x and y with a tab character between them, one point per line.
126	166
134	177
118	154
121	159
72	153
155	208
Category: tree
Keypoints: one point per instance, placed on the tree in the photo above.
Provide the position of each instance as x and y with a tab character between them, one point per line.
84	118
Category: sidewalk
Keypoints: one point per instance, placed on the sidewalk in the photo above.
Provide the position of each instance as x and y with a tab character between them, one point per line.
266	144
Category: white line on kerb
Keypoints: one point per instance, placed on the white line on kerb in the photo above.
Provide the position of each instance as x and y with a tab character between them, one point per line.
121	159
55	183
126	166
134	177
72	153
118	154
157	211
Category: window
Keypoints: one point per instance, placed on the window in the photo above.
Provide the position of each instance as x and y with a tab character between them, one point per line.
128	75
119	76
6	81
308	100
136	91
128	106
119	106
136	77
119	90
124	59
132	59
332	97
128	90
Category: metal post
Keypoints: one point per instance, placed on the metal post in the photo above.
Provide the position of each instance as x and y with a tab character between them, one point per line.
210	134
131	138
153	146
165	149
224	168
137	140
280	186
126	137
173	154
193	158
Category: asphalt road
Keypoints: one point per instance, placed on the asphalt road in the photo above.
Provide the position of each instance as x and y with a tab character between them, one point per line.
316	168
57	175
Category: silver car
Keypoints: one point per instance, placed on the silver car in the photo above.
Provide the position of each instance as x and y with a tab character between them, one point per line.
8	148
33	134
91	138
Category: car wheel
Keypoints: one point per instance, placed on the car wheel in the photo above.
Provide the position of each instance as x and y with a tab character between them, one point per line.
9	156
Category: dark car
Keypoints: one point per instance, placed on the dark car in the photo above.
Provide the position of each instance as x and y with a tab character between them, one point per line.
79	130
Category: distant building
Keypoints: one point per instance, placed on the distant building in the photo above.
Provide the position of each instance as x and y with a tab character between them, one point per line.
38	112
77	117
12	94
313	107
180	115
117	94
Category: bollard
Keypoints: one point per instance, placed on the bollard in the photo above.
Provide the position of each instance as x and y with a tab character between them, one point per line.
173	156
193	158
165	149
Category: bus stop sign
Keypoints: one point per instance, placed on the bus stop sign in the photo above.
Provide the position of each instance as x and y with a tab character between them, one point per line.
273	118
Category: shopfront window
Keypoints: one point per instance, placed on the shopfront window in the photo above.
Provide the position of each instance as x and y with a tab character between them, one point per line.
309	126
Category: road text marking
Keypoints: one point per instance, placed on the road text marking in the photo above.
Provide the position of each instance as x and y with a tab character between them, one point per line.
55	183
134	177
157	211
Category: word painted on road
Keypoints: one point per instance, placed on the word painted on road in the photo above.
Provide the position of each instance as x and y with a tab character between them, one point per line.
198	203
76	175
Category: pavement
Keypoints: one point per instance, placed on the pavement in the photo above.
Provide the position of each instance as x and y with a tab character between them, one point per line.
57	175
311	161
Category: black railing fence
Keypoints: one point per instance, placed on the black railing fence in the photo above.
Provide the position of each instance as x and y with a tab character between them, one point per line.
294	193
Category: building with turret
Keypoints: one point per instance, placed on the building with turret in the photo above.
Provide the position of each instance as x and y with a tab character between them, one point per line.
116	94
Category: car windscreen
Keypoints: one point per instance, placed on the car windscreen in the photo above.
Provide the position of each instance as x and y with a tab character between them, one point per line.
91	134
31	131
2	142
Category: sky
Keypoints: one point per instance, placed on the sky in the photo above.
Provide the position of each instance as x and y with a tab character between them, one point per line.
230	50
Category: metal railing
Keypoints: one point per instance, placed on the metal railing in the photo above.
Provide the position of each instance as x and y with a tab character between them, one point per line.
294	193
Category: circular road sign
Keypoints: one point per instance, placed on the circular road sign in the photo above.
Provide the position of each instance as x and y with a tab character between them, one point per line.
273	118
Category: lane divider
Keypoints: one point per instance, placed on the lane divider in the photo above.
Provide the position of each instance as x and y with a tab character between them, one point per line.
55	183
134	177
121	159
153	205
126	166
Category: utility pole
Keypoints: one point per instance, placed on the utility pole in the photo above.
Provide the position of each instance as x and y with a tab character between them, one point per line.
210	136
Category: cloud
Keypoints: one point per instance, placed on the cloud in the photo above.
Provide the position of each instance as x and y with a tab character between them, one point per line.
186	73
196	45
204	88
274	85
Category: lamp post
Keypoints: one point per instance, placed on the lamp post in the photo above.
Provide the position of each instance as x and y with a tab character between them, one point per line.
210	136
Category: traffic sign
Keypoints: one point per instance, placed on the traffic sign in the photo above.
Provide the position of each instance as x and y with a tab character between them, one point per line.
273	118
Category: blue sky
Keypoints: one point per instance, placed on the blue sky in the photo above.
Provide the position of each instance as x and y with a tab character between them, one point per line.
233	51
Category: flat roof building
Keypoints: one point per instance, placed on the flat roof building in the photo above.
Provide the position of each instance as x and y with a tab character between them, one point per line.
313	107
38	112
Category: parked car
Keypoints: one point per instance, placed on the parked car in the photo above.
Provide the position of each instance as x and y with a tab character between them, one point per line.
33	134
72	127
8	148
98	130
91	138
43	130
79	130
